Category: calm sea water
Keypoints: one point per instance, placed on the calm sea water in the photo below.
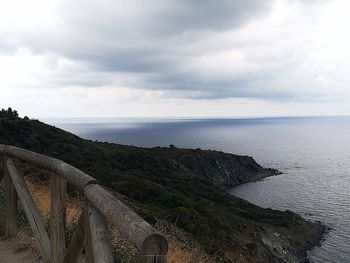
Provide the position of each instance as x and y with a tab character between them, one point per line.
313	154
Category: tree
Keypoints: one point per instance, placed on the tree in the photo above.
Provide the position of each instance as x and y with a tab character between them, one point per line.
10	112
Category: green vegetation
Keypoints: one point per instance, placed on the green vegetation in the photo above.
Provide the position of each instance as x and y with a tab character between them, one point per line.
159	183
252	246
9	114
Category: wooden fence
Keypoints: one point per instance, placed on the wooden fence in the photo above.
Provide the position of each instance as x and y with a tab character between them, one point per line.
91	235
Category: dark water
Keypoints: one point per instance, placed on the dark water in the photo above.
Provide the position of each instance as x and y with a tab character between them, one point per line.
313	153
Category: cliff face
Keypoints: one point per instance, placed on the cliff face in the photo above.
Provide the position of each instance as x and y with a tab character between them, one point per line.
223	169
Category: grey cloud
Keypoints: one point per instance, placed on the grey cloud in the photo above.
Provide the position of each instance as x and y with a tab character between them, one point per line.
141	61
111	26
211	15
158	16
152	40
198	88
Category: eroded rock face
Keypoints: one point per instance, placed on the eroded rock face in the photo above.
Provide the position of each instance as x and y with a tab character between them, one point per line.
224	170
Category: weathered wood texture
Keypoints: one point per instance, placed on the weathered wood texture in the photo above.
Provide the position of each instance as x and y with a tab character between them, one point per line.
100	240
146	238
2	227
72	174
11	225
89	256
152	245
58	218
2	167
29	208
76	245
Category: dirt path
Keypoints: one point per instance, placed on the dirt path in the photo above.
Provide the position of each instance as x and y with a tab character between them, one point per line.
9	252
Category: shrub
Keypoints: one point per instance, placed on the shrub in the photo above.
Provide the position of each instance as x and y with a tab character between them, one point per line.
252	246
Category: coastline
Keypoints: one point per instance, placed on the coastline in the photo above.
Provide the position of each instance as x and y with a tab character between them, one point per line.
315	239
268	172
192	178
317	235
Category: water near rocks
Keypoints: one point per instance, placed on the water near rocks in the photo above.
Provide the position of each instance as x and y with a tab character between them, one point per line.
313	154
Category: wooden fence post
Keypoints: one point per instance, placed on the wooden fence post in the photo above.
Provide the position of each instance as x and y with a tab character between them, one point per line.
30	209
2	167
11	225
147	239
98	237
76	245
2	172
58	218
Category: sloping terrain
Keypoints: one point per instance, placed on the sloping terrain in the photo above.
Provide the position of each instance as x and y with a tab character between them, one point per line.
181	186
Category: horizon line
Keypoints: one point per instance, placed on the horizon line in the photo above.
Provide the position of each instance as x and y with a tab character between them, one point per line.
201	117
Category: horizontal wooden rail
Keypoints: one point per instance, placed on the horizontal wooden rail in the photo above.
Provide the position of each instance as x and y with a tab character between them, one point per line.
72	174
92	230
147	239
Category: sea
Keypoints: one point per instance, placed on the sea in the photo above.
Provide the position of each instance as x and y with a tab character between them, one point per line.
313	153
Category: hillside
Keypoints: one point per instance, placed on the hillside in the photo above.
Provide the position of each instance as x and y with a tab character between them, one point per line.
182	186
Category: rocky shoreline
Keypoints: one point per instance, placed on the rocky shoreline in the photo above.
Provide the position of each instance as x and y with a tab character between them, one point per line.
229	170
315	239
317	235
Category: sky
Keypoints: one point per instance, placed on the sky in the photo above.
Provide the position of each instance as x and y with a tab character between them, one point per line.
175	58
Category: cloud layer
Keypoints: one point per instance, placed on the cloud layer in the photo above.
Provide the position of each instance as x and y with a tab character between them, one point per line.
279	51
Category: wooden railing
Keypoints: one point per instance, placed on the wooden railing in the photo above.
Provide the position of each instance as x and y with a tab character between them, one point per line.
91	235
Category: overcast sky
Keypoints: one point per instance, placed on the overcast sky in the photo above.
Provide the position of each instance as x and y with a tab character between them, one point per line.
113	58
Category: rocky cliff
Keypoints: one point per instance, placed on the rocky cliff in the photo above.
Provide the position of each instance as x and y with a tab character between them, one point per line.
223	169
